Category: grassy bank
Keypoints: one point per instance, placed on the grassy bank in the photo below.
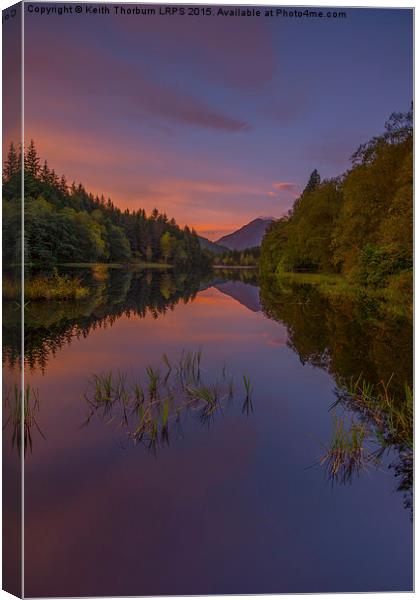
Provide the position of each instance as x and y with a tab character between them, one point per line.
234	267
127	265
40	287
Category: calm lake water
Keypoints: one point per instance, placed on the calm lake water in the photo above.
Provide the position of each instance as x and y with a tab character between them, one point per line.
237	503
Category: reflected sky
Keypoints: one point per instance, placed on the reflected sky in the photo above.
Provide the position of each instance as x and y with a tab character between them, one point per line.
232	508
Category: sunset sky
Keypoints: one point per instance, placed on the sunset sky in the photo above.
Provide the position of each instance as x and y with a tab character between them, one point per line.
213	120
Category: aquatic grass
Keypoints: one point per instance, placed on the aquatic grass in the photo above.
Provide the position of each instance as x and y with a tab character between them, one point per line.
208	394
154	376
150	411
346	453
41	287
103	389
138	398
168	365
392	417
189	368
384	422
247	384
247	406
22	409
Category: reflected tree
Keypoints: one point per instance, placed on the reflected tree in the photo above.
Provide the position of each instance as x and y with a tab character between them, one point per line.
368	352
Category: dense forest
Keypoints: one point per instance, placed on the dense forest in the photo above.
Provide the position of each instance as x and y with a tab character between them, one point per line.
360	224
244	258
65	223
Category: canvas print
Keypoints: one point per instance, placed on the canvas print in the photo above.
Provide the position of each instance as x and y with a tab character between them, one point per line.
207	299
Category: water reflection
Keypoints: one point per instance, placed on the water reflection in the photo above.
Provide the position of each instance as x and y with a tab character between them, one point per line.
21	428
50	325
348	337
384	427
227	485
368	353
151	410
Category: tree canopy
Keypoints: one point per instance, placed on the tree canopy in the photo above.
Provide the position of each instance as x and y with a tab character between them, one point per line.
65	223
359	224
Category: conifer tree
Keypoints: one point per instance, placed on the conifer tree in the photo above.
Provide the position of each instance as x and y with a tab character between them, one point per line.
32	160
313	182
63	184
12	164
45	173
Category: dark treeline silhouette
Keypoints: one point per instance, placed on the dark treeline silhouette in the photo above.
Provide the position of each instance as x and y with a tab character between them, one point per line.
358	224
65	223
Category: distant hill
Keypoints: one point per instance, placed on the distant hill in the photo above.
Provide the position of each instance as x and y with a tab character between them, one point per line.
212	246
246	294
248	236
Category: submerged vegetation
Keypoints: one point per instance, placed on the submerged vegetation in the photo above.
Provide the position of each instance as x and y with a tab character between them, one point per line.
20	410
347	334
358	225
346	453
384	423
150	410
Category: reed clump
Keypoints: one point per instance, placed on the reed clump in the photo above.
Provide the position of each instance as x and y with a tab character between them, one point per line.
150	409
21	409
346	454
390	416
384	422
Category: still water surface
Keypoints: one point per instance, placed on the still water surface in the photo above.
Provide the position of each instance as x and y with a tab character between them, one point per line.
238	504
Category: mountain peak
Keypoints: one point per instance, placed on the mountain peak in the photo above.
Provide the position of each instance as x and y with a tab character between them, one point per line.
247	236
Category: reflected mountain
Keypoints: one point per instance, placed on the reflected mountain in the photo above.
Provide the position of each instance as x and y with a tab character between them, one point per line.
49	325
245	293
349	337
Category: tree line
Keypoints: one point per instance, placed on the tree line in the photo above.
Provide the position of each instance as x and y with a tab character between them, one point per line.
359	224
65	223
244	258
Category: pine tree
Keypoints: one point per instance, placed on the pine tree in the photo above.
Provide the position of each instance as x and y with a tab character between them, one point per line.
45	173
63	184
12	164
32	160
53	178
313	182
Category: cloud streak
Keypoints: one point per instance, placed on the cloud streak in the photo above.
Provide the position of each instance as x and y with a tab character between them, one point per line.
284	185
122	89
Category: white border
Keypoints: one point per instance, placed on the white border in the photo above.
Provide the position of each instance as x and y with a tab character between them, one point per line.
321	3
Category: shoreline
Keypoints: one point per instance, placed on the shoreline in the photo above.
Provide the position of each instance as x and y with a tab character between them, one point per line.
231	267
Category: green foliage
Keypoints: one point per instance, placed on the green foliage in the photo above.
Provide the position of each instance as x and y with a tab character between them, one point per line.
41	287
243	258
67	224
313	182
374	264
359	224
